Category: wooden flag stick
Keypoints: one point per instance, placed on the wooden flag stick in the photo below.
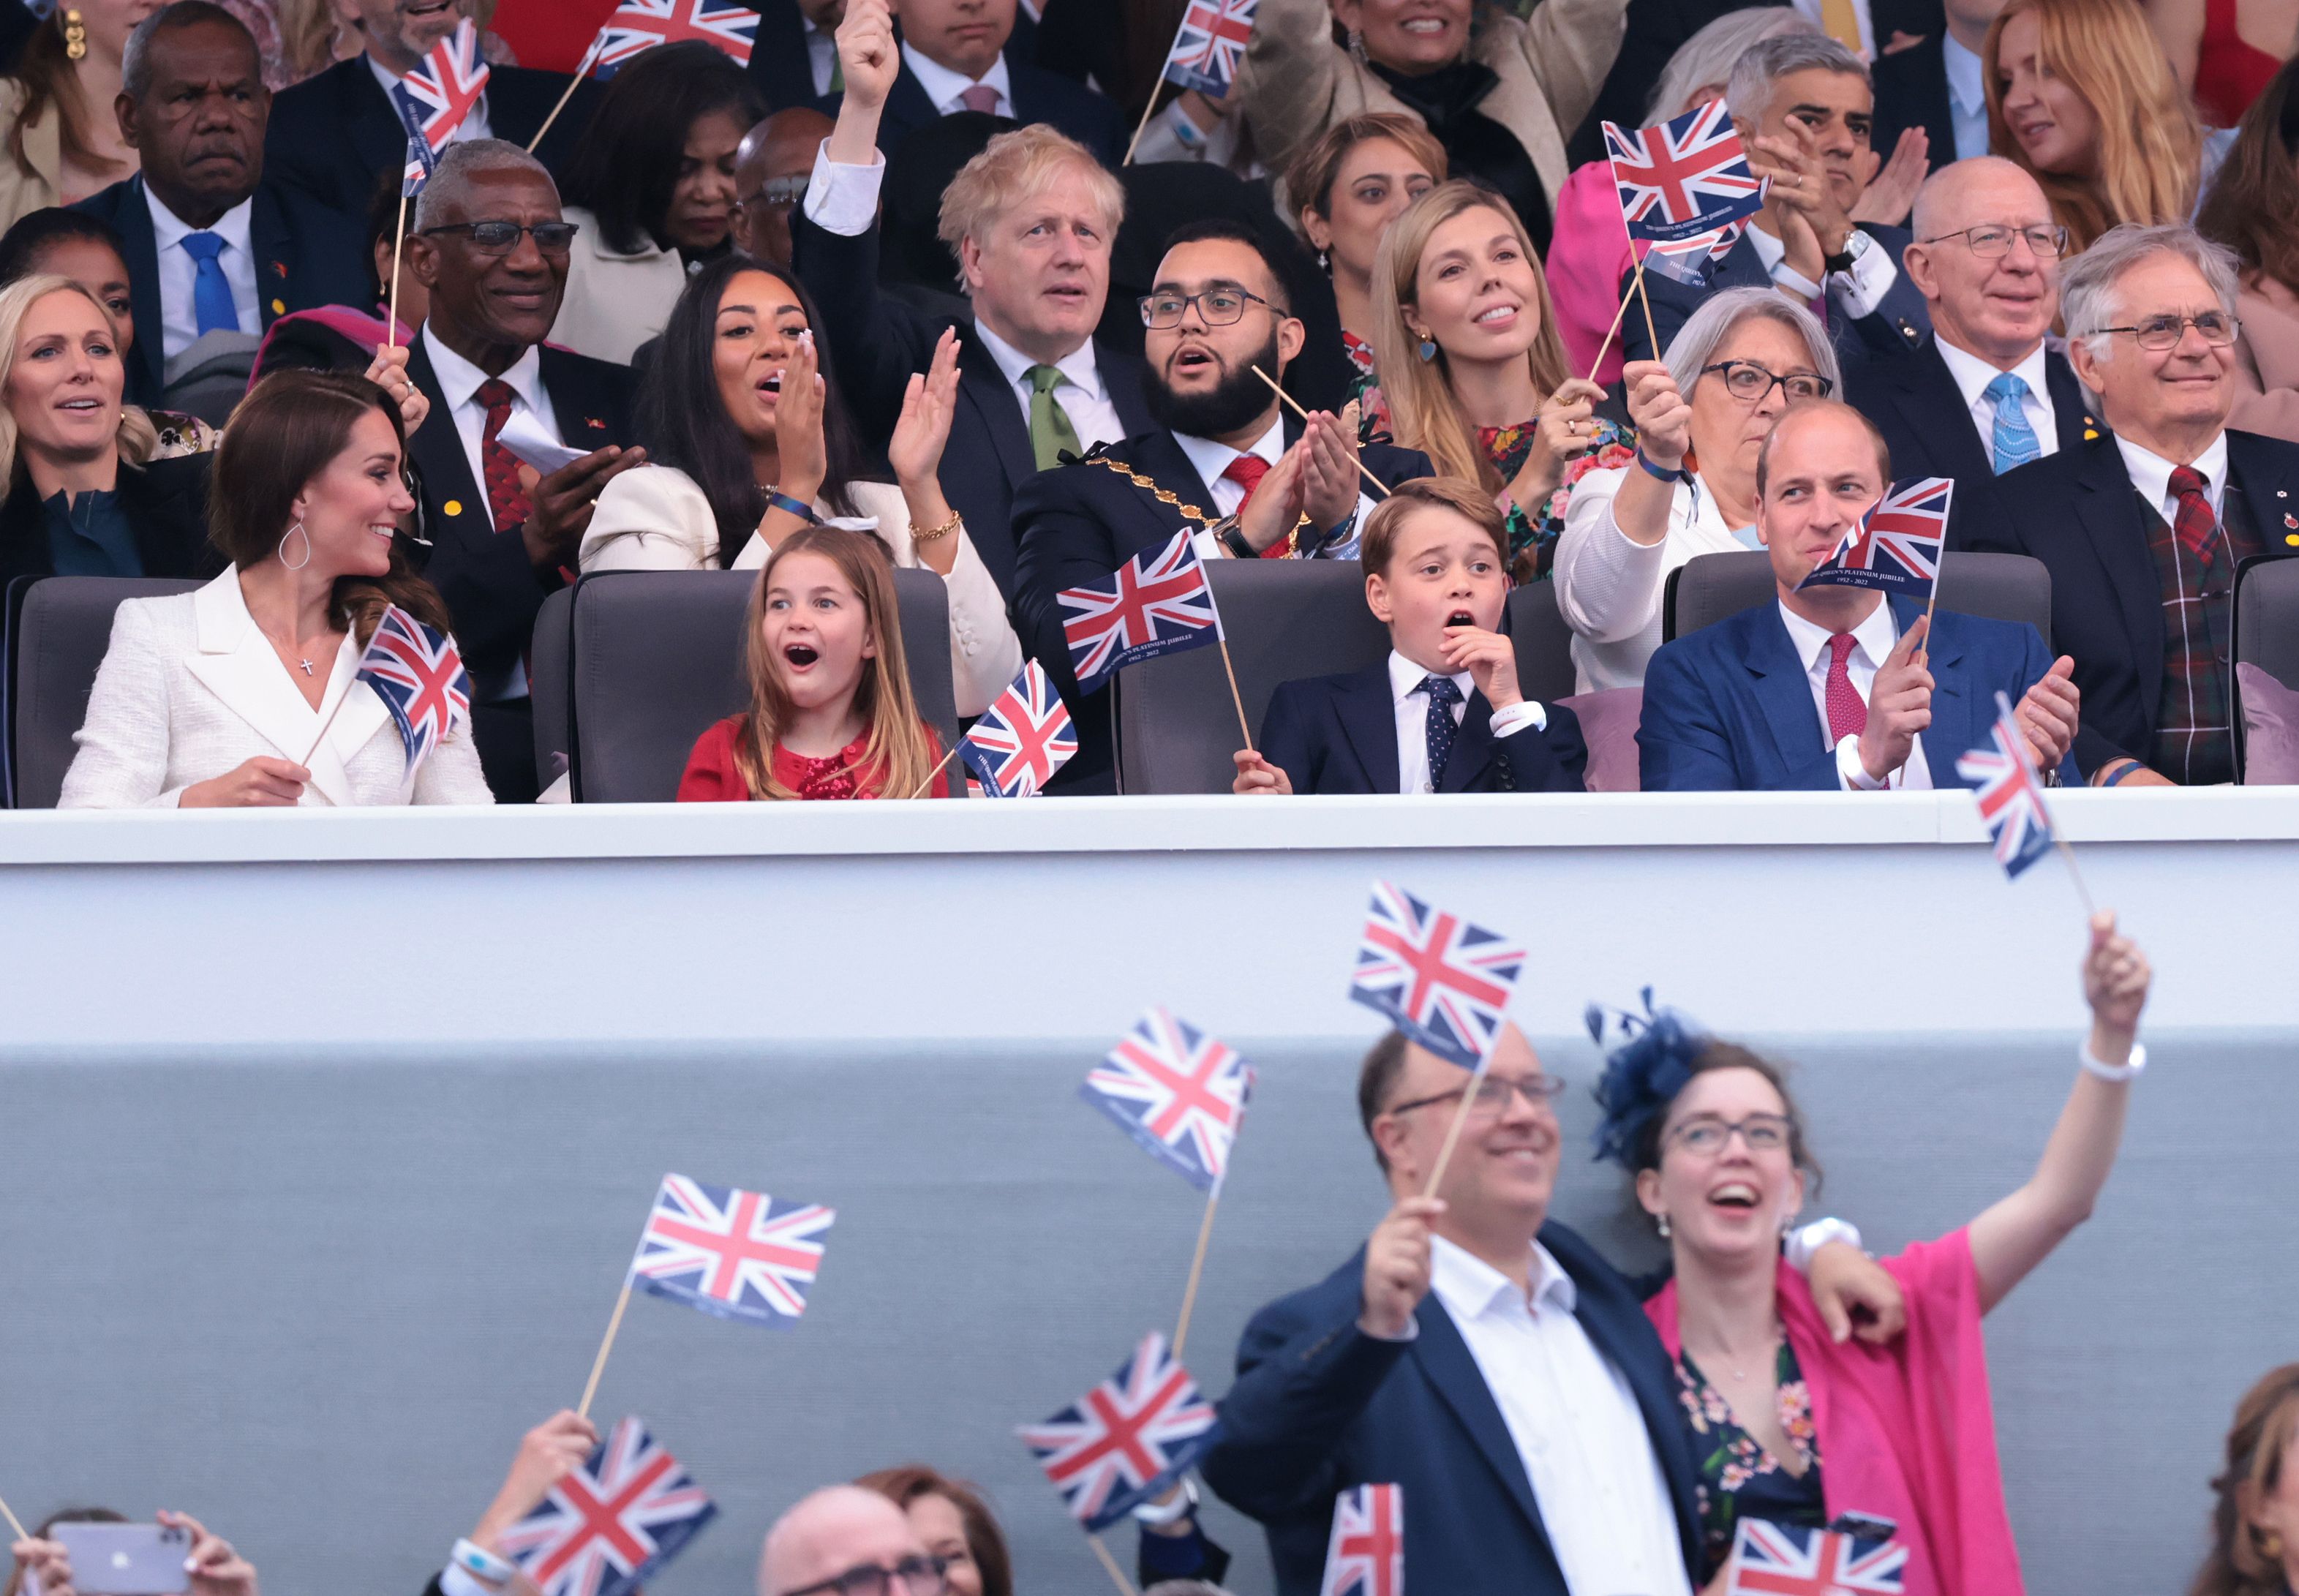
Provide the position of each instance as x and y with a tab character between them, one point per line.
1196	1269
14	1523
398	243
1650	335
1156	89
1606	347
1110	1563
2074	875
1380	488
1235	697
599	1364
590	59
926	785
1460	1119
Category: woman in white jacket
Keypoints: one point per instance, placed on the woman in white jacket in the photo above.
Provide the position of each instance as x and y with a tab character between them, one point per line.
247	692
748	442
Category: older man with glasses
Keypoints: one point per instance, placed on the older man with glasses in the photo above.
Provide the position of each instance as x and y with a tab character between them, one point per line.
844	1540
2146	522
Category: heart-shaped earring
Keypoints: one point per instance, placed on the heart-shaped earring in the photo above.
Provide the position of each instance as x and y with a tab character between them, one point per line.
1428	349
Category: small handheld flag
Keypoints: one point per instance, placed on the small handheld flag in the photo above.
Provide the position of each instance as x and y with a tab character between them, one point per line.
638	26
1022	739
1128	1439
1896	546
421	162
1772	1559
1685	187
445	86
1157	603
1367	1554
1210	46
1176	1091
1686	261
2010	798
607	1527
419	675
740	1255
1441	980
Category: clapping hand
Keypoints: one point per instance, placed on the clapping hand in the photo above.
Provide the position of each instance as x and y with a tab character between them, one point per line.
1899	705
803	457
1276	506
1329	470
928	404
2048	713
1891	192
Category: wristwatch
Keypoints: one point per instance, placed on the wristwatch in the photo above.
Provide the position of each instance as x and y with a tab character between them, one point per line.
1856	245
1226	533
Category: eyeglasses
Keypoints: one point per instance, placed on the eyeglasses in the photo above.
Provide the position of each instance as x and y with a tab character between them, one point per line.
1220	307
502	237
1750	383
1705	1134
1991	241
917	1576
1493	1095
2164	332
776	191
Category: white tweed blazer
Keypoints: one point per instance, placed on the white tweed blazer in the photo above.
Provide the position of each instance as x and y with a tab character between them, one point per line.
656	518
190	689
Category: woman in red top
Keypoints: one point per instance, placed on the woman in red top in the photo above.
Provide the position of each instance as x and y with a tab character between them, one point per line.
831	714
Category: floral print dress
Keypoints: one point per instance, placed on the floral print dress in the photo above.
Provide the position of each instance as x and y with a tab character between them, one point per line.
1736	1477
1533	529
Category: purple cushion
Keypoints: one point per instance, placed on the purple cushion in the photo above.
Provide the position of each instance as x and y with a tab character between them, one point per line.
1608	720
2271	729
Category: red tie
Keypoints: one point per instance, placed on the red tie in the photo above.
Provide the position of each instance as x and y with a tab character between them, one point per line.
1847	711
2192	519
506	499
1247	470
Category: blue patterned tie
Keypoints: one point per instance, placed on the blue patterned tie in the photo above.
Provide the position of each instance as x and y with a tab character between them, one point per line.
212	301
2015	440
1442	696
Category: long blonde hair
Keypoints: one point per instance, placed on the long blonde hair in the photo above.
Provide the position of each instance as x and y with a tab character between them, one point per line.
1423	411
897	757
137	436
2151	146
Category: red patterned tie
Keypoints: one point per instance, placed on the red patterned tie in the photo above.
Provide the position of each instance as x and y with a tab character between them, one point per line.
506	499
1247	470
1847	711
2192	519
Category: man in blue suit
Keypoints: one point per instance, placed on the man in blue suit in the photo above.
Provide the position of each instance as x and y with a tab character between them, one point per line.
1834	689
1483	1357
1803	106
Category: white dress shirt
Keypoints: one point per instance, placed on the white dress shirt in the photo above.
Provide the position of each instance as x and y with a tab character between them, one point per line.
1213	459
1855	292
459	384
180	322
1873	640
2151	474
1967	99
822	61
474	126
1609	587
943	87
1407	690
1972	374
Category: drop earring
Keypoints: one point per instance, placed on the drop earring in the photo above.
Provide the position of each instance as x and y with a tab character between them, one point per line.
1663	1222
75	35
1356	47
293	532
1428	349
1323	264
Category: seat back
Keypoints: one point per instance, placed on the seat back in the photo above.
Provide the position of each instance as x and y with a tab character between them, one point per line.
2267	620
1544	643
550	685
61	634
656	657
1709	587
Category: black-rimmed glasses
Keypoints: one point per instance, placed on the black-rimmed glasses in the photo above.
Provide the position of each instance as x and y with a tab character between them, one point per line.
1993	240
502	237
1221	307
917	1576
1750	383
2158	333
1493	1094
1705	1134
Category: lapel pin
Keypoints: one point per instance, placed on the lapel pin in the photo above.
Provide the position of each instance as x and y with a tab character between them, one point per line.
2280	493
594	424
452	507
278	307
2290	520
279	269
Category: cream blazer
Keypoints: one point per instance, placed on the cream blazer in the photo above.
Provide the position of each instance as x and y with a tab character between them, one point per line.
21	193
614	302
656	518
1609	589
190	689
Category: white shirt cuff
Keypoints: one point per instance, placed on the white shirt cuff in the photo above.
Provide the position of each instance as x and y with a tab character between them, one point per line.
1853	773
843	199
1803	1244
1785	275
1859	291
1208	546
1515	719
1411	1332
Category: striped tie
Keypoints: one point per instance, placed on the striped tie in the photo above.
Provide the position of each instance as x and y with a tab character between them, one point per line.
2015	440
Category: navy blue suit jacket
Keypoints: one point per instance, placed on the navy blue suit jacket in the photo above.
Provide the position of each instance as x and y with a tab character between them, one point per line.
305	257
1038	95
1911	92
1728	708
1901	324
1319	1406
785	71
1337	734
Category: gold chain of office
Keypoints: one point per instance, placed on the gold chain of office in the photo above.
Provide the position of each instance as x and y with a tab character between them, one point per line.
1206	523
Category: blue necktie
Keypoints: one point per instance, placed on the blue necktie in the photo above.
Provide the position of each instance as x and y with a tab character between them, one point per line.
1442	696
2015	440
212	301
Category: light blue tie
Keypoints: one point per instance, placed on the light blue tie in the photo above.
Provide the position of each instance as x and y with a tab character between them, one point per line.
2015	440
212	301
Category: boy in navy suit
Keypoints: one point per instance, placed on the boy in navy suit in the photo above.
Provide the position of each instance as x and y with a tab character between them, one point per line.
1442	713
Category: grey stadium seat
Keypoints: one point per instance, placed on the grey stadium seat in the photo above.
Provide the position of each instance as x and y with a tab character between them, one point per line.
1708	587
61	638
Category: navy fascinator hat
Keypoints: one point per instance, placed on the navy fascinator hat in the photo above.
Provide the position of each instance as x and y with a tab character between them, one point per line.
1647	1068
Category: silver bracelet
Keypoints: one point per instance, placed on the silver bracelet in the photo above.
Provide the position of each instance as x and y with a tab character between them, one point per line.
1174	1512
2113	1072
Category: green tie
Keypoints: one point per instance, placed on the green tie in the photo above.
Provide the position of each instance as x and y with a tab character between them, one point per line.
1051	431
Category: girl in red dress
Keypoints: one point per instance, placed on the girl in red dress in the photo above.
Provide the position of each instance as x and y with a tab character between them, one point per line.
831	714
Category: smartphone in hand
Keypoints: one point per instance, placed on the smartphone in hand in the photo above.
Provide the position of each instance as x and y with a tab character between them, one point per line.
126	1560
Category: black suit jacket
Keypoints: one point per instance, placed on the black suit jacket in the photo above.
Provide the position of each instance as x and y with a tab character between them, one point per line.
305	257
779	62
492	589
2077	512
1901	324
1319	1406
1337	734
1911	92
165	501
1039	95
1914	402
333	136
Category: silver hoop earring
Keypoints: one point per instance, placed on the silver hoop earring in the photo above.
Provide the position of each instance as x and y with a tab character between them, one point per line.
293	532
1356	47
1663	1227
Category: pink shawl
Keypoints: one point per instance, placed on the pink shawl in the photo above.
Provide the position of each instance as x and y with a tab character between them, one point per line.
1906	1431
1586	257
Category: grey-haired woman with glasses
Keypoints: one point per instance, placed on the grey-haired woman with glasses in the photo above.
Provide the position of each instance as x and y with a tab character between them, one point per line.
1701	416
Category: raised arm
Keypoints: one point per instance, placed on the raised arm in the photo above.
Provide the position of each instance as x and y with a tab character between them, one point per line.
2019	1233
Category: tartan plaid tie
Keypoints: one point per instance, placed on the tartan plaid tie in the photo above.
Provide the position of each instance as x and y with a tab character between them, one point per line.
2192	519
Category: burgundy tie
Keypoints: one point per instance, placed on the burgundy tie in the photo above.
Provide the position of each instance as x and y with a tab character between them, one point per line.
979	96
1847	711
2192	519
1247	470
506	499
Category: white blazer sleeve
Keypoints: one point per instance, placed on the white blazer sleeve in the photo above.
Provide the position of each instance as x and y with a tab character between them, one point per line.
650	519
452	774
984	654
123	762
1608	587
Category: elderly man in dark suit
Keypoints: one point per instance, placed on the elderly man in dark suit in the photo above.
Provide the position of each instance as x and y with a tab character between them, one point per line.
212	241
2146	522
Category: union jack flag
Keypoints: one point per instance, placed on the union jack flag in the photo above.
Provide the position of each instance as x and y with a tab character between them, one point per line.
738	1254
1022	739
1175	1090
444	86
419	675
609	1526
1128	1439
1210	45
1156	604
640	25
1367	1555
2011	797
1896	546
1686	261
1442	981
1684	177
420	162
1772	1559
